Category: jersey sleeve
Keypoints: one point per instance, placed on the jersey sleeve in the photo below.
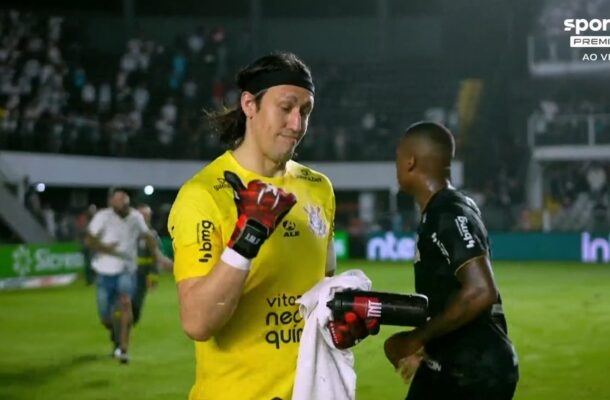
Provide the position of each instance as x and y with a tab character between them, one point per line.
194	227
463	237
142	227
96	224
156	268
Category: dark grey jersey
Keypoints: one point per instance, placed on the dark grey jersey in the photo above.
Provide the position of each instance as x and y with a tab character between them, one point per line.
451	233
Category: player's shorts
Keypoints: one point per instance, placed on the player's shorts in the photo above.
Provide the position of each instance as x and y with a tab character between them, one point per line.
109	288
431	382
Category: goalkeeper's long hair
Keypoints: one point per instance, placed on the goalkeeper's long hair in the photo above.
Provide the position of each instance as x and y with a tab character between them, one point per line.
230	123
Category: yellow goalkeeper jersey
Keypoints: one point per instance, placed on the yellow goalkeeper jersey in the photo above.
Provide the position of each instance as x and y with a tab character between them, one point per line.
254	355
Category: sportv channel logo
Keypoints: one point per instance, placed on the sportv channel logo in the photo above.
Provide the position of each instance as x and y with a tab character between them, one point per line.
579	26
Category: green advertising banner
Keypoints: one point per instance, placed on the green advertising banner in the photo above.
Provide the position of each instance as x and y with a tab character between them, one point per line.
341	245
26	261
538	246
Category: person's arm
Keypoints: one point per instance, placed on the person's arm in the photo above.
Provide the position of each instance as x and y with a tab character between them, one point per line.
148	234
477	294
92	236
202	278
94	244
151	245
207	303
163	261
152	274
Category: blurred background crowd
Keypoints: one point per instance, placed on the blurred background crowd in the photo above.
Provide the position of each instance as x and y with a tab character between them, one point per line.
138	96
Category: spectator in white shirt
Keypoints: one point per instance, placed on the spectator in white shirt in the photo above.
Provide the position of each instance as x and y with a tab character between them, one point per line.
113	236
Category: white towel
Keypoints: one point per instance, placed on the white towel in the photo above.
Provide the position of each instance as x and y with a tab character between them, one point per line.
323	371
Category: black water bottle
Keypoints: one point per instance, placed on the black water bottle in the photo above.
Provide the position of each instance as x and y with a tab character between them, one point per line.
389	308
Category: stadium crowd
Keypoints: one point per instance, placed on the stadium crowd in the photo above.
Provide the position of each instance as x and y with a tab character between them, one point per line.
573	121
59	95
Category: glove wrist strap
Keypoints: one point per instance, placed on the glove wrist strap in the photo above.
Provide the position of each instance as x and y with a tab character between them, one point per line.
248	237
235	260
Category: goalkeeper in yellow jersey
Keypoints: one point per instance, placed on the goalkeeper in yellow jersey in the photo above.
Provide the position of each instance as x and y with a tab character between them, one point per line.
252	232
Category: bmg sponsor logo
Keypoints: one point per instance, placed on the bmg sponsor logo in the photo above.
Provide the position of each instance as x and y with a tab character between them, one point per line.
204	239
462	225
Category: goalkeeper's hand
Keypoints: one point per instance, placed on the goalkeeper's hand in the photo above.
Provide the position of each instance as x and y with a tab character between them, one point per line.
352	329
260	208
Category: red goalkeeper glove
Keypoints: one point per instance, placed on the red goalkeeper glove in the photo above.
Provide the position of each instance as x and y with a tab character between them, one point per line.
260	208
352	329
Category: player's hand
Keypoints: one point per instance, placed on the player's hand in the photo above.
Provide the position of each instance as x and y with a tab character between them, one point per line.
402	345
260	208
352	329
166	262
113	250
408	366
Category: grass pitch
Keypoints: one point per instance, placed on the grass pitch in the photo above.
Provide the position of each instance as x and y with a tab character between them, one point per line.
52	346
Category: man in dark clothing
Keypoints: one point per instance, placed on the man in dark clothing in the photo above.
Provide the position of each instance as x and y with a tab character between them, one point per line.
147	275
463	350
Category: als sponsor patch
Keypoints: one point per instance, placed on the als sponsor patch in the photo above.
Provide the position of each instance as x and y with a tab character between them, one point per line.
290	228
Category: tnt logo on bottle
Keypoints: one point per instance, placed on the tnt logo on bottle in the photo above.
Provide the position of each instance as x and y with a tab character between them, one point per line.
592	248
